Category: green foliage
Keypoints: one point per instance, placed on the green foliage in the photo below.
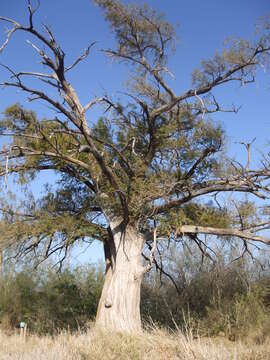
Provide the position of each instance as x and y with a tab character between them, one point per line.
236	52
50	302
243	316
228	300
222	301
155	147
136	25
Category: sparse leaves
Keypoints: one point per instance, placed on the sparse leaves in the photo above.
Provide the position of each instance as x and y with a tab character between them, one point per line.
155	154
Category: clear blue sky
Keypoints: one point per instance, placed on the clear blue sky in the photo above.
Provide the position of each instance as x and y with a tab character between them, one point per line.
202	26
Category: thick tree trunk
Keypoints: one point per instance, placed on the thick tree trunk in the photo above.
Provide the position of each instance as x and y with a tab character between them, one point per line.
119	306
1	265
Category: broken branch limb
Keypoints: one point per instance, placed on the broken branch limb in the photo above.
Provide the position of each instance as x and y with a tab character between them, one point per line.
193	229
152	251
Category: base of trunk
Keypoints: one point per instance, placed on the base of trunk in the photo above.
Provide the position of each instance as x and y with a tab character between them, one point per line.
119	306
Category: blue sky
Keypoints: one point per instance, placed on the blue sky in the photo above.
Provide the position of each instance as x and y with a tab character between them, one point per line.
202	26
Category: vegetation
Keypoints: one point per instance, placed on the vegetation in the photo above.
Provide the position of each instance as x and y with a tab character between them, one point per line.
139	177
228	301
50	302
157	344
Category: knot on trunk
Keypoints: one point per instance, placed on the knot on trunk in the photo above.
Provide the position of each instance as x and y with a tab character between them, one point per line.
108	303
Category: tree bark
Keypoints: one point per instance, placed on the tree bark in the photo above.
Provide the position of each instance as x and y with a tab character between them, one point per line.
119	305
1	264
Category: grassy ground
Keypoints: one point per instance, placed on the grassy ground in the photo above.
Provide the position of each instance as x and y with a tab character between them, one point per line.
156	344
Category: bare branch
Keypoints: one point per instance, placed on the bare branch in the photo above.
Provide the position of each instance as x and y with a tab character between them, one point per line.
248	147
16	27
202	103
162	271
26	151
236	184
205	153
40	95
32	12
81	57
219	80
152	251
92	103
37	74
192	229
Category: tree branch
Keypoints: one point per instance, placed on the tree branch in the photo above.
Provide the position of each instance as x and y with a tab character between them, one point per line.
193	229
221	79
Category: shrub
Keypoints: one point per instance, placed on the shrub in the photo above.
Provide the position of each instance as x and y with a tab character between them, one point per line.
50	302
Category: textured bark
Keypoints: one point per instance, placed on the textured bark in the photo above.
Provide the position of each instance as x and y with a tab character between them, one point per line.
1	265
119	306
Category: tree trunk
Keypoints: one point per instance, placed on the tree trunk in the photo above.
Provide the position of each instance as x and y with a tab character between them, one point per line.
119	305
1	265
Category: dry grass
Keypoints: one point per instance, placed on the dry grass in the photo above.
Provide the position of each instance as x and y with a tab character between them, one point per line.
157	344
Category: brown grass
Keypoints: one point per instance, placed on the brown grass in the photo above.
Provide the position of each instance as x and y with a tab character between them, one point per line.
156	344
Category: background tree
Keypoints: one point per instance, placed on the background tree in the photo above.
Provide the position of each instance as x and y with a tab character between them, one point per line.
136	178
49	302
229	298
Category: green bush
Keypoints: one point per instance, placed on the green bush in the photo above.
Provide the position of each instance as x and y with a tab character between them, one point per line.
50	302
239	317
228	300
231	301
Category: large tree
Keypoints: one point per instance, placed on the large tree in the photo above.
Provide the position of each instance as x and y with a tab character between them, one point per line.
141	173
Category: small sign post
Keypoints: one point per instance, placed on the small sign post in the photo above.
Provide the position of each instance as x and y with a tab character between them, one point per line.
23	329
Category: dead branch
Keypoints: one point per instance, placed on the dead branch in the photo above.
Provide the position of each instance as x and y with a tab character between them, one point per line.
81	57
192	229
